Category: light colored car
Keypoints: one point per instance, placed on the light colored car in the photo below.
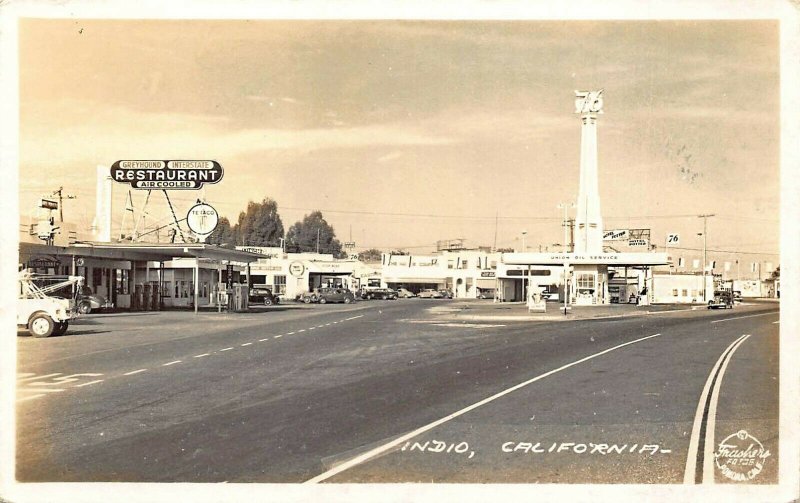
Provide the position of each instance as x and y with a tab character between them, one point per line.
405	294
429	293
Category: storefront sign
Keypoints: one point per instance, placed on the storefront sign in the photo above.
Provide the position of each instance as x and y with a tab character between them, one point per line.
229	279
43	262
297	268
637	242
181	175
487	274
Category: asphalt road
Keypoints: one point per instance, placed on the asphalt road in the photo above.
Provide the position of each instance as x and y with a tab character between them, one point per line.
386	391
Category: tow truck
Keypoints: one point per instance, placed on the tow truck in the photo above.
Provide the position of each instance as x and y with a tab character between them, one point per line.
40	314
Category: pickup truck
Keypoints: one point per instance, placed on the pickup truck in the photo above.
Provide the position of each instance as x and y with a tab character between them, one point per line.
40	314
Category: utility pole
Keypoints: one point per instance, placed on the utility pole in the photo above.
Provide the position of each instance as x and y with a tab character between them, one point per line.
494	248
60	194
317	239
705	242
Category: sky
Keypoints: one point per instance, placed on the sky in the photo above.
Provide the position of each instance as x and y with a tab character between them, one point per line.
408	132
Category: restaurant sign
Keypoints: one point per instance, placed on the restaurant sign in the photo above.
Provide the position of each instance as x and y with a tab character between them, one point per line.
162	175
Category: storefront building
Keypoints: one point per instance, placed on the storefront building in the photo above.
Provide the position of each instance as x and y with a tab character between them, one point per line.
467	273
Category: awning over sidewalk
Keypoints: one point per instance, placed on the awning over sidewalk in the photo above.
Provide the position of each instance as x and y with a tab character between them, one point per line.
155	252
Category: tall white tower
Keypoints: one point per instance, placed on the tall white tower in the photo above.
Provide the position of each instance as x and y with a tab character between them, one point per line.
588	222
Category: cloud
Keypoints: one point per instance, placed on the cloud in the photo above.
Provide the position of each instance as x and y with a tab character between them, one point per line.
117	133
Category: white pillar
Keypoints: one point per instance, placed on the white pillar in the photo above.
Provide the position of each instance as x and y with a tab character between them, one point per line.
589	235
196	282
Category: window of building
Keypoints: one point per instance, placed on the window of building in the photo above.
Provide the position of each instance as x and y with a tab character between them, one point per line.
450	264
279	285
586	281
685	292
464	264
166	289
674	292
694	293
493	264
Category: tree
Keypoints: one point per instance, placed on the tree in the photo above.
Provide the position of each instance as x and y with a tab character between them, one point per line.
223	234
371	255
776	274
260	224
314	233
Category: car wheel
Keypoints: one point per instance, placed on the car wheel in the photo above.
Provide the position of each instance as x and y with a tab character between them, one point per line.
347	300
267	301
323	300
307	300
84	308
41	325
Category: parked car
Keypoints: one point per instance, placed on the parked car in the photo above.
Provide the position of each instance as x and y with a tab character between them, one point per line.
446	294
380	293
405	294
259	295
87	301
737	296
721	299
429	293
486	293
325	295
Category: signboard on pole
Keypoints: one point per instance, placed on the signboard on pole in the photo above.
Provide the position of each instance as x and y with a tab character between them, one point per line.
616	235
172	175
48	204
637	242
202	219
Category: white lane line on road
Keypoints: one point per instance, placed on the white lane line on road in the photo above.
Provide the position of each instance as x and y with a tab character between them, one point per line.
277	336
748	316
776	322
689	474
42	390
354	317
225	349
171	363
246	344
394	443
200	356
290	333
711	421
134	372
301	330
89	383
262	340
38	377
311	328
29	398
327	324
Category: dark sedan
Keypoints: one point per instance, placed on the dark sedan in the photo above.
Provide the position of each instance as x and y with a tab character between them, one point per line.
262	296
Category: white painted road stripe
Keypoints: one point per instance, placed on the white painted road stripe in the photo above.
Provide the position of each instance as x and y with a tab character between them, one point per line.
246	344
290	333
43	390
694	439
277	336
743	317
39	377
301	330
134	372
394	443
89	383
200	356
225	349
354	317
776	322
29	398
711	421
171	363
262	340
311	328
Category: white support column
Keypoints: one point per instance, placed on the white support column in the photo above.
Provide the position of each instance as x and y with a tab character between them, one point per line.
196	282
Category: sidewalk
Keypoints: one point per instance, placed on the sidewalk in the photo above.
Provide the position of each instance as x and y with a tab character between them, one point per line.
478	310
